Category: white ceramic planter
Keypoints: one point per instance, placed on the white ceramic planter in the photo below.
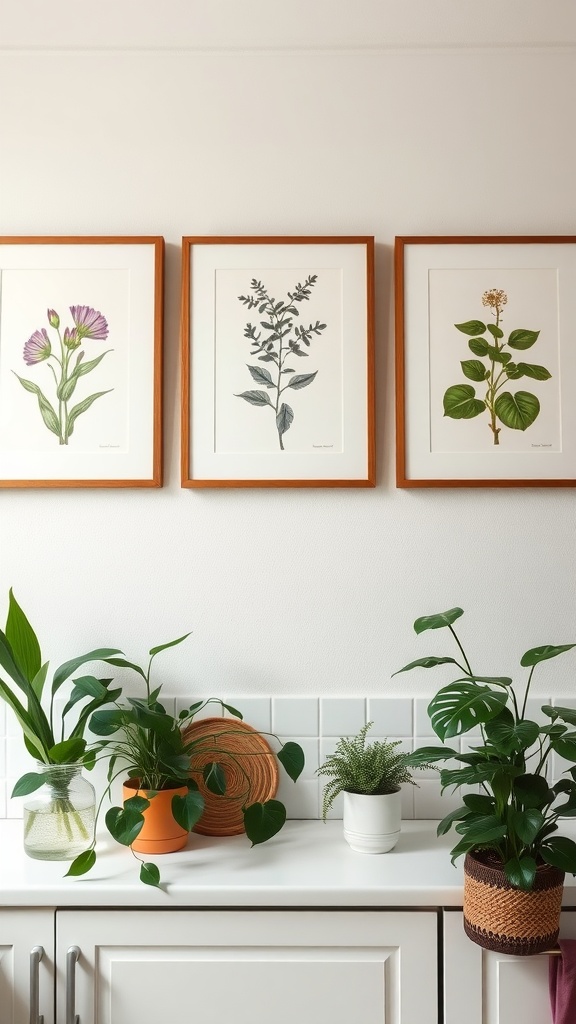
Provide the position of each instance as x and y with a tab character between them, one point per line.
372	823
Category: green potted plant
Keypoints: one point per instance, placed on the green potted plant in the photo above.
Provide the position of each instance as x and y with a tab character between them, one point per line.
153	750
514	860
60	802
369	776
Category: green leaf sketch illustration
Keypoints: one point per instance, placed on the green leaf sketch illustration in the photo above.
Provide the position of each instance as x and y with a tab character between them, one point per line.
89	325
278	340
494	367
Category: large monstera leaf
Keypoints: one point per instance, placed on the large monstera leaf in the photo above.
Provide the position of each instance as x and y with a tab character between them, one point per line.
461	705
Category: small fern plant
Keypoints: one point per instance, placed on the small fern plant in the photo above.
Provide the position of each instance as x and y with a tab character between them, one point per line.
356	767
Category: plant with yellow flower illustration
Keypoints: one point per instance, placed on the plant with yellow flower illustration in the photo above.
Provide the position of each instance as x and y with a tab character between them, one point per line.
516	410
89	325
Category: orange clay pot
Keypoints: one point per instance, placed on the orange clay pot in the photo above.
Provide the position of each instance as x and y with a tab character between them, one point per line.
160	833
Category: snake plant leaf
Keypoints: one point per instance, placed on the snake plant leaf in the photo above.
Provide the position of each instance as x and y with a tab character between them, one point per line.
538	654
437	621
262	821
461	706
507	734
83	862
561	853
150	875
521	872
23	640
430	662
291	757
187	810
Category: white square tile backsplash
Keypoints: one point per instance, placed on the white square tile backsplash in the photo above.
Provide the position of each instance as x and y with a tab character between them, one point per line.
317	724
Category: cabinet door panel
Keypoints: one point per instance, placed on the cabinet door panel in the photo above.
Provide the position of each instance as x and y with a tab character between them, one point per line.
494	988
146	967
20	931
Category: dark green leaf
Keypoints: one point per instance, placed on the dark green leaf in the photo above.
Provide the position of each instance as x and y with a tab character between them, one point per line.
187	810
445	825
426	662
460	402
437	621
233	711
150	875
473	774
214	778
534	371
255	397
471	327
522	339
521	872
561	853
301	380
428	755
104	723
82	864
527	823
171	643
479	803
473	369
532	791
565	746
461	706
507	735
262	821
565	714
495	331
23	640
28	783
122	663
464	846
538	654
291	757
124	825
479	346
482	828
65	671
67	752
517	411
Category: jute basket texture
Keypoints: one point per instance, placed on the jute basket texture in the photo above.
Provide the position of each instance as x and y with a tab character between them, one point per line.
507	920
250	767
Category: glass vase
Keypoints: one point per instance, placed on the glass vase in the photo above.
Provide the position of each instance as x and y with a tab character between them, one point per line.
59	817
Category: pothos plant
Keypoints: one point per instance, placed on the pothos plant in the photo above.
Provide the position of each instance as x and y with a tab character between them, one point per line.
279	342
512	817
142	740
494	367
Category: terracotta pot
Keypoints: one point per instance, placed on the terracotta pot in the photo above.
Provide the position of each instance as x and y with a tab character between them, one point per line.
507	920
160	832
372	822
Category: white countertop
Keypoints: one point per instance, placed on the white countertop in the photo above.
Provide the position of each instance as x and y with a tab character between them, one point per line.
308	864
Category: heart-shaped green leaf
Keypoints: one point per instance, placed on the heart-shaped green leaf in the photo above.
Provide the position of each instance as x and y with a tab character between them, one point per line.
262	821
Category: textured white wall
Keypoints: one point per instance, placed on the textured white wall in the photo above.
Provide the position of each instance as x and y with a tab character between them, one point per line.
425	117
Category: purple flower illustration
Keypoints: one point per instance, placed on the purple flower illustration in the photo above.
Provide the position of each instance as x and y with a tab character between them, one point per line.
37	347
66	370
89	323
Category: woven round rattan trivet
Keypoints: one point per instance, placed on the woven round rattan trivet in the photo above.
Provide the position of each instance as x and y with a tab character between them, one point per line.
250	767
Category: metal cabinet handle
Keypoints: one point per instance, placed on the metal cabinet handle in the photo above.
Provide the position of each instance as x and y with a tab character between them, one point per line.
72	957
36	955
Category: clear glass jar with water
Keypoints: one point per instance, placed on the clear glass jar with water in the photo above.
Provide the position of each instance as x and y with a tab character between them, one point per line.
59	817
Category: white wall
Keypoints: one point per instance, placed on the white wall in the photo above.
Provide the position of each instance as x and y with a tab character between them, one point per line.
396	117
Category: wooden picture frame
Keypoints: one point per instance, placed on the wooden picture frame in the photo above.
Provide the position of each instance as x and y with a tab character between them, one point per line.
485	361
247	304
81	361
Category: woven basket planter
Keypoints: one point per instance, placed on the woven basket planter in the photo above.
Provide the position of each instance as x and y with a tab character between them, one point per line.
507	920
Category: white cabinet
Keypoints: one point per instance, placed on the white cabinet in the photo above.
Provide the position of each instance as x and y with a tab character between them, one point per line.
482	987
26	966
250	966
